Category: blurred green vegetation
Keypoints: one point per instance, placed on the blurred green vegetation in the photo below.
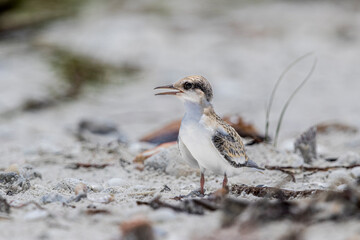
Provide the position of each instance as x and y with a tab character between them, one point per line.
19	14
79	71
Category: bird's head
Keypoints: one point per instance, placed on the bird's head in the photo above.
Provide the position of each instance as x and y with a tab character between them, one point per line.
195	89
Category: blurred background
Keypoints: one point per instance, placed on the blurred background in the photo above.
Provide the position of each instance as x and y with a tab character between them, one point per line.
66	60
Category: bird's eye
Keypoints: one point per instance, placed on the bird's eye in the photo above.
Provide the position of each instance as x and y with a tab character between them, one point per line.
187	85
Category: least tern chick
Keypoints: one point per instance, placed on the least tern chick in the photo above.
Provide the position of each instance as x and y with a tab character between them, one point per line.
205	140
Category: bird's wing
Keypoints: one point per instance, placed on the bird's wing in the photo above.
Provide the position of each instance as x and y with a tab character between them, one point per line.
229	144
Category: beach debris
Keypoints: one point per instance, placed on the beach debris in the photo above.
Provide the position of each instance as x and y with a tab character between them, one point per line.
90	130
97	211
4	205
165	189
88	165
323	128
273	192
170	132
13	183
306	144
187	206
191	203
324	206
300	169
137	229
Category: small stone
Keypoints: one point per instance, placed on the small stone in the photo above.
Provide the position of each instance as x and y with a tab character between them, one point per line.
117	182
96	187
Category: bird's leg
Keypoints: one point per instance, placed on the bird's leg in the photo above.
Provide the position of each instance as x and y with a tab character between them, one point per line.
202	182
225	181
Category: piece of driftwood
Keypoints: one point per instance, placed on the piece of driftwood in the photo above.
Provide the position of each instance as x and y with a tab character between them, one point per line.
272	192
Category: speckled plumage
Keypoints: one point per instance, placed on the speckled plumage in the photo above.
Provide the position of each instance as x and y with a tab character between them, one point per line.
229	144
205	140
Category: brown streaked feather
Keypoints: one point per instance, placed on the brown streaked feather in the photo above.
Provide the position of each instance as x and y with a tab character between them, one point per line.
229	143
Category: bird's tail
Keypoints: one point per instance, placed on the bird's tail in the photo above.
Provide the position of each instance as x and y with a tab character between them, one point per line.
251	164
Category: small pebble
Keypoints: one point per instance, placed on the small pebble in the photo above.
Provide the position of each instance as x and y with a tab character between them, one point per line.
119	182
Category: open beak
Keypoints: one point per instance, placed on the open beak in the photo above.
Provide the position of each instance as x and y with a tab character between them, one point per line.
168	93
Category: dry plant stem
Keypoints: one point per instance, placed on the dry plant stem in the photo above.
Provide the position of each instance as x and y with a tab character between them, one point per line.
272	192
268	109
290	99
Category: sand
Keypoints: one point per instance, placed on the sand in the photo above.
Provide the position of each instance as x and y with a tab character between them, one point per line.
242	48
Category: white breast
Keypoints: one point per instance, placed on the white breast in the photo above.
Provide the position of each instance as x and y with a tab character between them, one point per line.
198	139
